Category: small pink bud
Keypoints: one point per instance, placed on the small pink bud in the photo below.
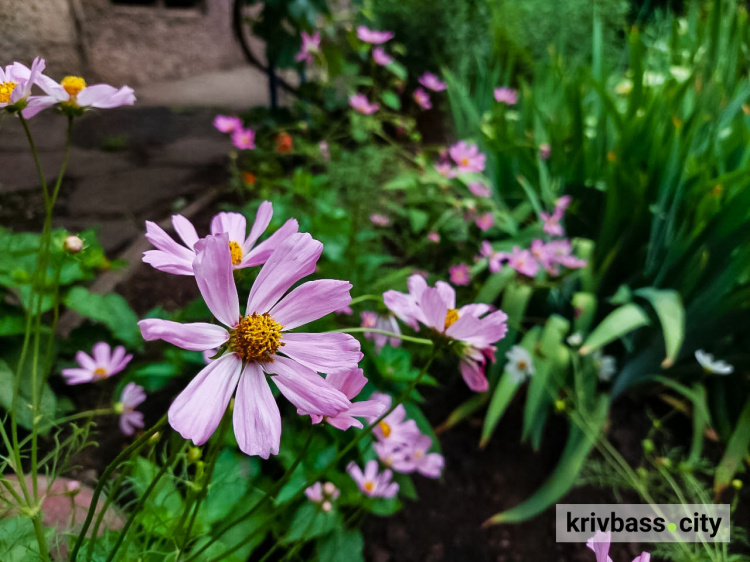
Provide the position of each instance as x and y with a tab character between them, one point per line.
73	244
326	506
329	489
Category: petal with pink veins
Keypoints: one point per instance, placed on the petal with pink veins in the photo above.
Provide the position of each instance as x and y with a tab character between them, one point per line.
311	301
323	353
306	389
213	273
257	421
197	336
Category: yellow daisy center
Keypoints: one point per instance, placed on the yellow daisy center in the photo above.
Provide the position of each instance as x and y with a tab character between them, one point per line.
369	486
6	89
257	337
418	454
464	161
100	373
451	318
73	85
385	428
522	365
236	251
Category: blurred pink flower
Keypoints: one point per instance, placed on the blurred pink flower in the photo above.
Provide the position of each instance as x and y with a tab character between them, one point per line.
523	262
350	382
562	203
371	483
380	220
545	150
600	543
508	96
436	309
381	57
431	82
422	99
347	310
325	152
445	169
479	189
174	258
16	82
394	428
243	139
359	102
373	36
381	322
495	259
467	157
310	46
104	364
227	124
460	274
324	494
433	237
485	221
552	224
255	342
561	252
413	457
130	420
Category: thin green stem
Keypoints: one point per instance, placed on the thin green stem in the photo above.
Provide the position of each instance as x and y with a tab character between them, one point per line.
363	298
421	341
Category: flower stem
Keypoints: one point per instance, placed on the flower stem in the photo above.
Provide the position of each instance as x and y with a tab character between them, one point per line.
363	298
422	341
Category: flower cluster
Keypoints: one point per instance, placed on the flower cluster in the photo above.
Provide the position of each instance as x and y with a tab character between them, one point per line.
242	138
323	494
383	322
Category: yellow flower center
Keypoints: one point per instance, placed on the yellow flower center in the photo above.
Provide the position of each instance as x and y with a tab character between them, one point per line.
522	365
464	161
369	486
256	338
100	373
6	89
73	85
236	251
418	454
451	318
385	428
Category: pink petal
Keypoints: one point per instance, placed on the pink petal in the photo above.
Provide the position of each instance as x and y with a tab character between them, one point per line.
403	306
294	259
310	301
85	360
262	220
185	229
447	292
473	374
304	388
260	253
105	96
168	263
77	376
234	224
257	421
198	336
213	273
102	353
196	412
323	353
434	309
416	284
349	381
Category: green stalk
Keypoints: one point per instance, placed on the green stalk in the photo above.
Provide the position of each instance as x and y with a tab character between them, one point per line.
422	341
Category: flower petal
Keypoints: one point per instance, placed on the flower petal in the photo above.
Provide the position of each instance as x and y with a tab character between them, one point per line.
233	224
310	301
260	253
262	220
196	412
305	388
102	353
257	421
77	376
434	309
213	273
197	336
447	292
473	374
105	96
349	381
404	306
185	229
323	353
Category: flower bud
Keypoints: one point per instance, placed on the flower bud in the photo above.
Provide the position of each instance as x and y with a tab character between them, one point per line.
737	484
329	489
73	244
72	487
194	454
648	446
326	506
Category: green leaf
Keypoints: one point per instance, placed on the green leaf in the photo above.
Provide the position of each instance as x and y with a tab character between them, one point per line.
398	69
342	546
17	540
668	306
494	285
310	522
111	310
564	476
618	323
391	99
24	413
737	449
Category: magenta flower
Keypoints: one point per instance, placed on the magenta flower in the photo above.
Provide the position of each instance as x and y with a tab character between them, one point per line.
323	494
359	102
422	99
254	343
347	310
381	57
545	150
130	420
310	46
16	81
467	157
431	82
561	252
350	382
562	203
600	543
445	169
72	91
485	221
373	36
104	364
552	224
394	429
381	322
371	483
479	189
227	123
243	139
523	262
495	259
174	258
413	457
380	220
436	309
508	96
433	237
544	255
460	274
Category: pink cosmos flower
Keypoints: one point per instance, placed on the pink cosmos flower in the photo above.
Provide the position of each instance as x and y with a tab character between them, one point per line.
373	36
16	81
254	344
600	543
544	255
422	99
485	221
350	382
480	190
552	224
380	220
523	262
359	102
243	139
562	203
561	252
467	157
381	57
73	91
174	258
371	483
227	123
130	420
347	310
445	169
435	308
545	150
460	274
104	364
381	322
431	82
508	96
325	152
394	429
414	457
324	494
433	237
310	46
495	259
